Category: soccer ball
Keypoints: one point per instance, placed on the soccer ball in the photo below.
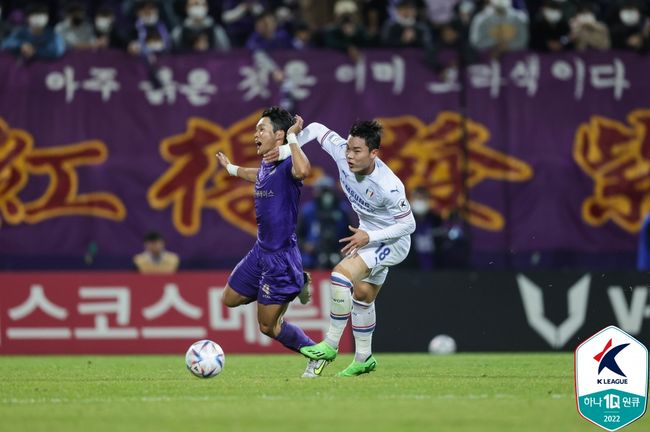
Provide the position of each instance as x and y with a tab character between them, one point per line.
442	344
205	359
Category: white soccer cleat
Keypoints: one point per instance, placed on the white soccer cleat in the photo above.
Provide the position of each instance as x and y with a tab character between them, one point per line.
314	368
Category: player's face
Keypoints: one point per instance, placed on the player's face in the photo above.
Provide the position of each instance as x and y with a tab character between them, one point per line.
265	138
359	157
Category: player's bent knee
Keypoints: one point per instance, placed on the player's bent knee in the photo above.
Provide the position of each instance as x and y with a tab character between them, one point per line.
268	329
231	298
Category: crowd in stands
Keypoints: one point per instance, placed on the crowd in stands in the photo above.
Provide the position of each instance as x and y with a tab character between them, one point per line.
155	27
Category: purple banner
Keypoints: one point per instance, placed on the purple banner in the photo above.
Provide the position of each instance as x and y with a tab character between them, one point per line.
91	151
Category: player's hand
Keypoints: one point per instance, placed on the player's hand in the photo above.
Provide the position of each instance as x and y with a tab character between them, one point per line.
272	155
296	127
223	159
356	241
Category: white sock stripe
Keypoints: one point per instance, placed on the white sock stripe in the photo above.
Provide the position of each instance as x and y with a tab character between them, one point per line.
362	304
339	279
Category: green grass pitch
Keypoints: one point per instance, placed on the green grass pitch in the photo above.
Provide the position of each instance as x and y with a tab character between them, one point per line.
462	392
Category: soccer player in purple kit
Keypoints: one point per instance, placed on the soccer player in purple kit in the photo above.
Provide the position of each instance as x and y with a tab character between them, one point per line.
271	273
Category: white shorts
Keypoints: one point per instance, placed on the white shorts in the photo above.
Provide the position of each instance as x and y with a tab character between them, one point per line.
378	256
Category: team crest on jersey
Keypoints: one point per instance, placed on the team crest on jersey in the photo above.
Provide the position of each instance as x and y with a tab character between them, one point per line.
370	193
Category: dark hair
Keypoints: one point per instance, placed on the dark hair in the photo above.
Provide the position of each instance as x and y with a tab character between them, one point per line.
280	118
370	131
153	236
105	10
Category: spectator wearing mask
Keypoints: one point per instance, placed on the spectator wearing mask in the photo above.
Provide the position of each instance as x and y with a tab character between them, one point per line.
302	36
150	36
199	32
107	34
404	29
500	28
550	31
75	29
36	39
587	32
631	31
323	222
454	36
426	239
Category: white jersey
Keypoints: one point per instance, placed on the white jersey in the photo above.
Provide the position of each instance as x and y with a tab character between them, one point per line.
378	198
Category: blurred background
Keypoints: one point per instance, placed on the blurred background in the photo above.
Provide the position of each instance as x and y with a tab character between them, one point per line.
519	128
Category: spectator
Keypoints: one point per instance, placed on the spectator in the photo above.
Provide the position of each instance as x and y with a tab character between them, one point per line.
346	34
500	28
36	39
440	12
239	18
199	32
323	222
455	245
107	34
75	29
302	36
404	29
550	31
154	258
632	30
587	32
150	35
426	239
643	259
318	14
267	35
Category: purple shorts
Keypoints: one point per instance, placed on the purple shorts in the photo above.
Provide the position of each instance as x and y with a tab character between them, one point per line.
269	277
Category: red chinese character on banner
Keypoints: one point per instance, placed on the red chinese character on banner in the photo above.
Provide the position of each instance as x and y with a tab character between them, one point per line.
19	161
14	147
193	182
431	155
61	197
617	157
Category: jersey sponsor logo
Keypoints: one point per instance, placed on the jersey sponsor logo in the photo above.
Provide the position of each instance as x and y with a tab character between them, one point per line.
356	199
403	205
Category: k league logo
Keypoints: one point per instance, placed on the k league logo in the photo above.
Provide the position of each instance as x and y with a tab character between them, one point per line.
611	374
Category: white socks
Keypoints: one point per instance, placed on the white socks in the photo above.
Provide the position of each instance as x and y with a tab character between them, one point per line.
363	325
340	307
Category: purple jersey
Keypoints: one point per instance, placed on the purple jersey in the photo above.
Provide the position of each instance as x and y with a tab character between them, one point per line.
277	194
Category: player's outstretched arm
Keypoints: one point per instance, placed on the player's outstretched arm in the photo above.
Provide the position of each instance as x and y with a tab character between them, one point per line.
301	166
314	131
248	174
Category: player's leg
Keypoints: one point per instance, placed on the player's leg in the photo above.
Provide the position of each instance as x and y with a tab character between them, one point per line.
341	282
363	324
232	298
271	324
243	283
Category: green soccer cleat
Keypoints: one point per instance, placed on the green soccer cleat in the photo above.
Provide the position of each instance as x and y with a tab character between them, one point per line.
359	368
320	351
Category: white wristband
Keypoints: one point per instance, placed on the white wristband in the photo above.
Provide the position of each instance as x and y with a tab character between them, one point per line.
285	152
292	138
232	169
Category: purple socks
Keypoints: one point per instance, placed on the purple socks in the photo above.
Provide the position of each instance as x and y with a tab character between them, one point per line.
293	337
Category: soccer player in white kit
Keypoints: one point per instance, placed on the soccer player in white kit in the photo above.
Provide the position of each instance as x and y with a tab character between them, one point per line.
382	239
